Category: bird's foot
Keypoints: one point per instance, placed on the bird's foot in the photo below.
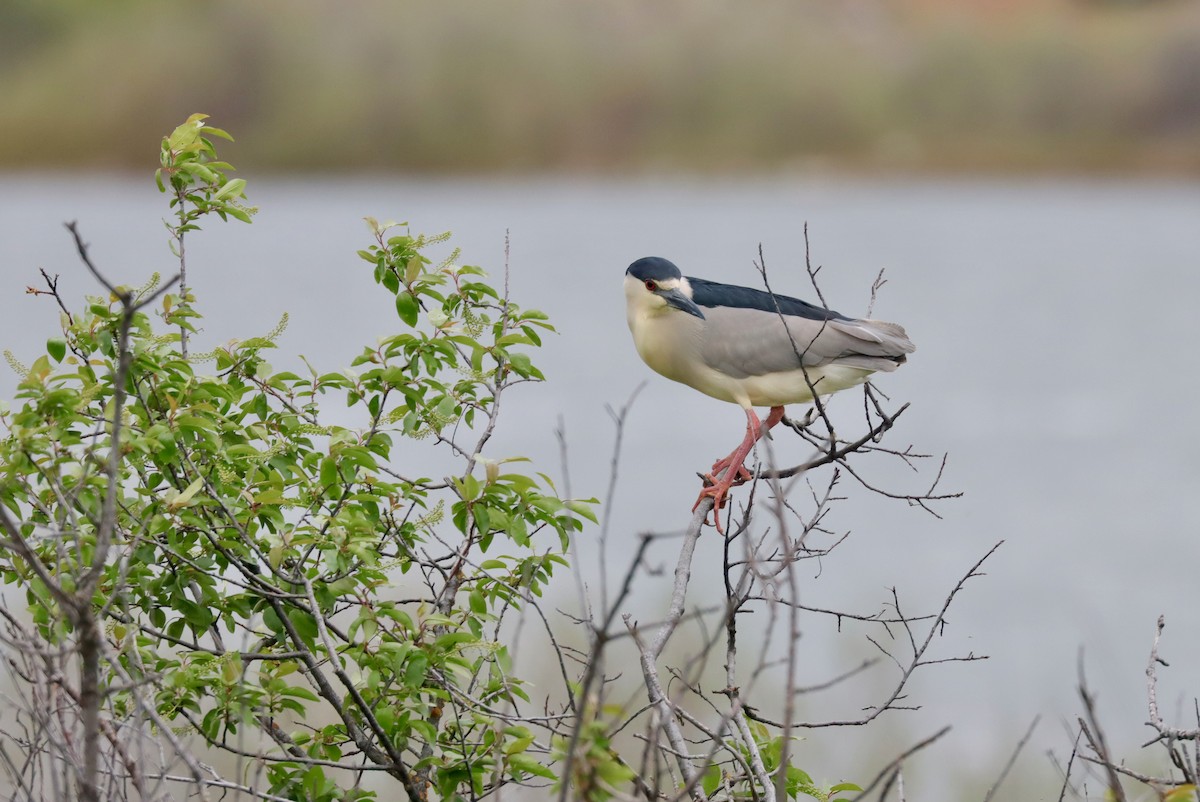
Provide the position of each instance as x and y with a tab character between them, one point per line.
739	475
718	492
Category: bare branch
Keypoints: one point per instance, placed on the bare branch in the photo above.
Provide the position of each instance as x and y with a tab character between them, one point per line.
1095	738
898	761
1012	759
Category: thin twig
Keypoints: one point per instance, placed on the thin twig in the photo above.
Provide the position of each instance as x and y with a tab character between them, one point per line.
1012	759
898	761
1095	737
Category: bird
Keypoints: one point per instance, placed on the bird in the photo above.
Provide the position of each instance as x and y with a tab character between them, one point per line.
751	348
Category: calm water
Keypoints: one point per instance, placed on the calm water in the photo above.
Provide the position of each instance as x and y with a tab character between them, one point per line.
1055	324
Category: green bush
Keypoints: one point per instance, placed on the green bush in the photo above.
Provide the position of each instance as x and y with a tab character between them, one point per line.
221	558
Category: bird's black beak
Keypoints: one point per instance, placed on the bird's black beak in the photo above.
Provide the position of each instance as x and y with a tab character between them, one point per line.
677	299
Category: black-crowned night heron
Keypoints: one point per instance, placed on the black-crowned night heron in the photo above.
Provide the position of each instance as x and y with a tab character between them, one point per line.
732	343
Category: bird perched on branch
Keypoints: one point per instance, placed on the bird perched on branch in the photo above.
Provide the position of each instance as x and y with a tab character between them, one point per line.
751	348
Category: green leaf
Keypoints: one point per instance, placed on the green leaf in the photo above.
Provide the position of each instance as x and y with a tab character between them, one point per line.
390	281
477	602
187	135
233	188
238	214
523	366
613	774
183	498
406	307
300	693
414	672
329	472
518	745
40	369
584	507
425	729
57	348
272	495
530	766
712	780
412	269
305	624
468	487
231	671
483	518
198	618
451	639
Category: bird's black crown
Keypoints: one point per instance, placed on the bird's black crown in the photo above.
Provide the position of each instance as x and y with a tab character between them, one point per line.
653	268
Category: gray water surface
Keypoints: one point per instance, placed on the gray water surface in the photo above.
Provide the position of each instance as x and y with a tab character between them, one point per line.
1055	325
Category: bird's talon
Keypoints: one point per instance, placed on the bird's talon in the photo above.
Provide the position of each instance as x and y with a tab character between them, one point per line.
740	475
719	495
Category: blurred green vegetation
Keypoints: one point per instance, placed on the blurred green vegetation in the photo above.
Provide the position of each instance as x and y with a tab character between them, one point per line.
671	85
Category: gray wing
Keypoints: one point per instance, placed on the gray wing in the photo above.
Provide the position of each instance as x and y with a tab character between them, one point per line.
741	342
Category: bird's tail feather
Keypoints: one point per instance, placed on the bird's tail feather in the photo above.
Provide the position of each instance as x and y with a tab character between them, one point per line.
882	339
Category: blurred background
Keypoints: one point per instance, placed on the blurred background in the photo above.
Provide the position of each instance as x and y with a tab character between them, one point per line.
1026	171
532	85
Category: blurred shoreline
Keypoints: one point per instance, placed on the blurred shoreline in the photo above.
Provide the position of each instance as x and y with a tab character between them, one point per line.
792	87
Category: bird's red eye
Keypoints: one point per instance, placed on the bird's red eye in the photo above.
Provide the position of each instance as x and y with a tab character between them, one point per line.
650	285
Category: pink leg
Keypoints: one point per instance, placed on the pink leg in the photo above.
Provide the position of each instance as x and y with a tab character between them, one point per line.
744	475
734	471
